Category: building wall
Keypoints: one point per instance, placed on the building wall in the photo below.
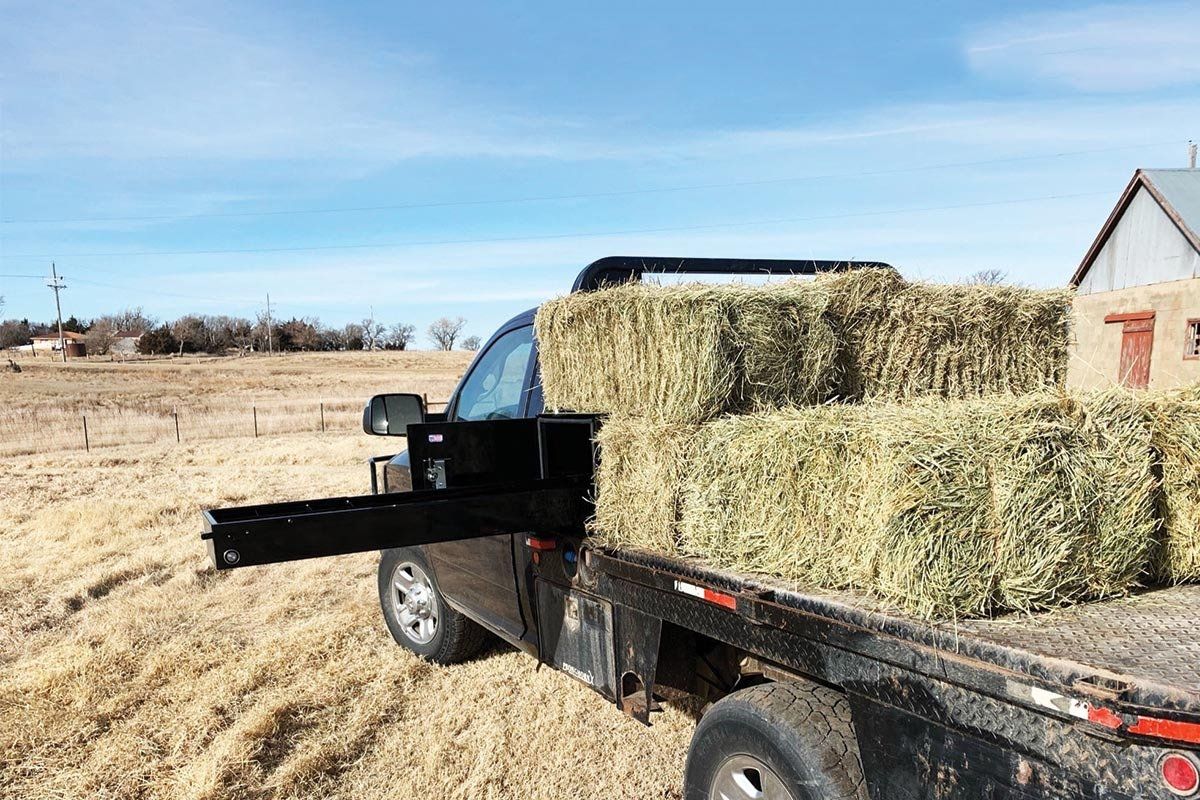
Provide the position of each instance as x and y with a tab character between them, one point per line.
1096	353
1144	248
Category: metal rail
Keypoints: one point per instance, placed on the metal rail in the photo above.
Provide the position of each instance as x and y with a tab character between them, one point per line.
276	532
620	269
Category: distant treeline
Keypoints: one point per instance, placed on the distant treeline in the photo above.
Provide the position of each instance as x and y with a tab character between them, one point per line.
203	333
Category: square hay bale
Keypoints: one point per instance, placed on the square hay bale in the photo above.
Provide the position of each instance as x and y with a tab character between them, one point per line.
1012	504
1176	432
944	508
692	352
639	479
901	339
686	353
775	493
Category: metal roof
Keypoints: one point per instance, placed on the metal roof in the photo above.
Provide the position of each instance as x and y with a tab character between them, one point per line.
1177	192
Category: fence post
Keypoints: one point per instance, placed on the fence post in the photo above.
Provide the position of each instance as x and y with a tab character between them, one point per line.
175	412
322	417
255	409
86	444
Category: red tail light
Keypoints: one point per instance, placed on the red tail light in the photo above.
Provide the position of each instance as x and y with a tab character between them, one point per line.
1180	774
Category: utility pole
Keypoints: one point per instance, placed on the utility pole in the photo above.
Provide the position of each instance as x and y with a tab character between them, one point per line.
1191	154
270	344
56	284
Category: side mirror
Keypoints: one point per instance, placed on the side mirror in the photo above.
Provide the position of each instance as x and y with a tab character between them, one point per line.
391	414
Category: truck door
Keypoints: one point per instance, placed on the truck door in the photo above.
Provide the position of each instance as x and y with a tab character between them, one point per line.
479	574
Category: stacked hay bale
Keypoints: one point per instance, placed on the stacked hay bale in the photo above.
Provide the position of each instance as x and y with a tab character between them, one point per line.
956	481
942	508
902	340
642	471
1176	430
687	353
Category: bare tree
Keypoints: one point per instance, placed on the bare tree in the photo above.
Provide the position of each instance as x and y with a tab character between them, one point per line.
263	331
130	320
236	332
352	336
402	336
471	343
299	334
444	332
372	334
987	277
100	336
14	333
188	330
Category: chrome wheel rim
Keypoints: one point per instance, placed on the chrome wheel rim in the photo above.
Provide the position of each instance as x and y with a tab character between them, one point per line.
414	603
744	777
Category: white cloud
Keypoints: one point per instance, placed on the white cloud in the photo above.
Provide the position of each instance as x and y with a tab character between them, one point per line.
1103	48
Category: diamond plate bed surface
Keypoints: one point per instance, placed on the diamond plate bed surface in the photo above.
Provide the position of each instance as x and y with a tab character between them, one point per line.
1154	635
1150	639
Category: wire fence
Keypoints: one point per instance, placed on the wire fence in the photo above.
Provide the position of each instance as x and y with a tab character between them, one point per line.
24	432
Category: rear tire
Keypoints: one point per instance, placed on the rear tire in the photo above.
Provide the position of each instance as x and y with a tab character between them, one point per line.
777	741
417	615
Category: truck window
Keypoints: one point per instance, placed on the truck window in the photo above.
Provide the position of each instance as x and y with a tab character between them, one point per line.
493	390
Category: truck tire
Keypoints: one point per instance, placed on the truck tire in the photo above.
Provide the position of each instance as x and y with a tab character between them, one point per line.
417	615
776	741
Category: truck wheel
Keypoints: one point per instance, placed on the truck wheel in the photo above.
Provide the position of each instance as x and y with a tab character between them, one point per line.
416	614
775	741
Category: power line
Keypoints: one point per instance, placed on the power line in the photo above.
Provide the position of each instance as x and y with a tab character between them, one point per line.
590	195
224	300
558	236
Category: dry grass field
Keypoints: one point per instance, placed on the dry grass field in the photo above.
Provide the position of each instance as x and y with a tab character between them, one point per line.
129	668
42	407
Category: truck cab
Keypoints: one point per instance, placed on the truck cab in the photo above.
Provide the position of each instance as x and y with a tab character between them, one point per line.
481	578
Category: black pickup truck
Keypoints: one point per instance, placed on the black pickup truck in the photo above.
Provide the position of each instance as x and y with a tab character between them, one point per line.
811	695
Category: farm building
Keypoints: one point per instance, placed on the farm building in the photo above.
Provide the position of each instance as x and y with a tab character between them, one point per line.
48	343
1137	308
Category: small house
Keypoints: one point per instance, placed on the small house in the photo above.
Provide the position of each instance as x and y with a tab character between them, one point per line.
48	343
1137	307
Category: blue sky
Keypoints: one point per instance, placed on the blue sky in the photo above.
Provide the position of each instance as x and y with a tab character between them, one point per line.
469	159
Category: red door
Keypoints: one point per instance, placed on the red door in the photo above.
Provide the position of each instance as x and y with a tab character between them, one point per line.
1137	340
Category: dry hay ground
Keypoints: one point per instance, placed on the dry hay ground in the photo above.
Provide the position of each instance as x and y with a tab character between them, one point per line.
41	408
129	668
87	384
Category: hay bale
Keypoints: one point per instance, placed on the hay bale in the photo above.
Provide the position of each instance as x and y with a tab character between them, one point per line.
1012	504
902	339
944	508
689	353
774	493
1176	432
639	478
686	353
